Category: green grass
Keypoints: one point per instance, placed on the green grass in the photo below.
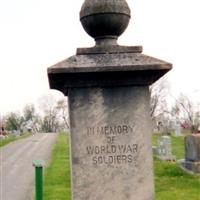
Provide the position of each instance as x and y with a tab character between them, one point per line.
57	174
177	145
171	182
11	138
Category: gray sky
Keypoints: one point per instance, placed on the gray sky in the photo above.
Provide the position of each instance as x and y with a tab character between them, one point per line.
36	34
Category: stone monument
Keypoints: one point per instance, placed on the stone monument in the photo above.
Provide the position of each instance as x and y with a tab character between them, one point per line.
192	153
177	128
164	149
108	95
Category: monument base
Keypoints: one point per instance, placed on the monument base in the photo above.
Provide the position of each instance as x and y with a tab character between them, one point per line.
190	166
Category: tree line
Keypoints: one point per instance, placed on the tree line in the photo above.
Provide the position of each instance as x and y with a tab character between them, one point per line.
50	117
181	109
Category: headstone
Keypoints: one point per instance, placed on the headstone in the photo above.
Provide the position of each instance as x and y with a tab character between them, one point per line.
108	93
178	129
164	149
192	153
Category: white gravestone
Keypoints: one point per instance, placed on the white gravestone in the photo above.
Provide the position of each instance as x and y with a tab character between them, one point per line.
164	149
178	129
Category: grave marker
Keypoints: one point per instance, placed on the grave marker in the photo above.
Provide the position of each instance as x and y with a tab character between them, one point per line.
192	153
164	149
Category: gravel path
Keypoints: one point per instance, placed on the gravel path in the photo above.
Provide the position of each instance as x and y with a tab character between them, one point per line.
16	170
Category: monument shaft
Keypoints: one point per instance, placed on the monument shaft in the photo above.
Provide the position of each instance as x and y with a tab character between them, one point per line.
111	143
110	125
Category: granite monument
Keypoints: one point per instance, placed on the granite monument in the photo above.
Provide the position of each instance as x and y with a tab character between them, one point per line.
164	149
108	94
192	154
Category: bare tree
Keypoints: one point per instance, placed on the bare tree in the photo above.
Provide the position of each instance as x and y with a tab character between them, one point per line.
13	121
158	102
187	111
159	106
47	105
62	107
31	117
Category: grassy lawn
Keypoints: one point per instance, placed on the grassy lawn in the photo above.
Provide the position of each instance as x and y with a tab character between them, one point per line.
12	138
57	174
177	145
171	182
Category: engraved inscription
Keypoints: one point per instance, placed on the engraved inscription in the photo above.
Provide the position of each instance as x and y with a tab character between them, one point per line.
111	153
110	130
109	149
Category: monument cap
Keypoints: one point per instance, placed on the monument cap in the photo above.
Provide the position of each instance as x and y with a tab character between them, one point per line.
105	20
107	64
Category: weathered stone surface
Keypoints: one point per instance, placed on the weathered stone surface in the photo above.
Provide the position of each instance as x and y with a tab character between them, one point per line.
106	69
109	62
111	143
110	126
192	147
91	7
192	154
105	18
109	49
192	166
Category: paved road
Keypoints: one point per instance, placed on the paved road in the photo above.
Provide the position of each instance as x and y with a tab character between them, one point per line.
16	170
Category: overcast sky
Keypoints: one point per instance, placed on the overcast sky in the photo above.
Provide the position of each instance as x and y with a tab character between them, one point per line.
36	34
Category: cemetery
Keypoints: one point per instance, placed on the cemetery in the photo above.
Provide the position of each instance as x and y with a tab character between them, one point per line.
108	94
116	149
109	84
8	138
170	179
192	153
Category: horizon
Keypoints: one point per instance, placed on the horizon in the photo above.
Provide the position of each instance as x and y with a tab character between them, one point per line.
36	35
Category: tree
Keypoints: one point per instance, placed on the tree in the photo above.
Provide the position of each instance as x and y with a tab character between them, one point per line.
50	118
62	107
159	106
159	95
2	125
2	121
49	123
30	117
13	121
186	110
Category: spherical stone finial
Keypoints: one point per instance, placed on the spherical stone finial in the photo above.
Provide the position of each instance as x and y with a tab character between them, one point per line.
105	20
